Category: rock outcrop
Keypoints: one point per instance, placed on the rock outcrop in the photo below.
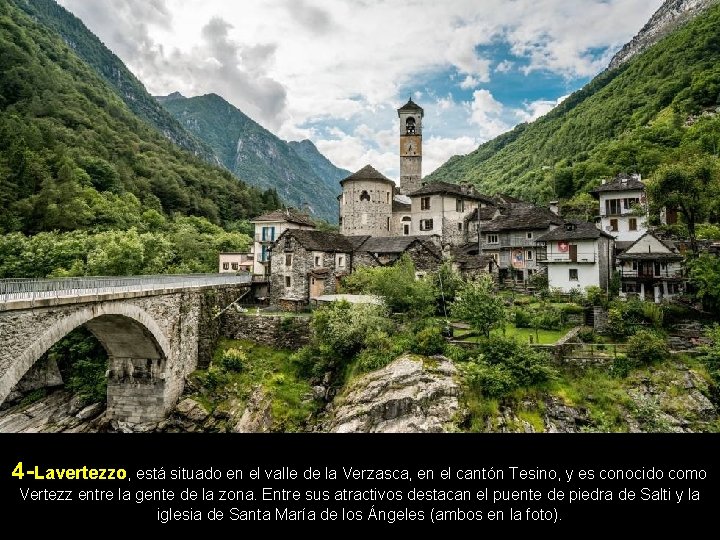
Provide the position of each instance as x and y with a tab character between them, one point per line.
671	15
411	394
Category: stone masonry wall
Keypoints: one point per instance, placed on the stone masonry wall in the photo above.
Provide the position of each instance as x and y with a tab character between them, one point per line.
277	331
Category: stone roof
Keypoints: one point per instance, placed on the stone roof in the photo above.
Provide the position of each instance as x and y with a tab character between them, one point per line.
368	173
486	213
574	230
318	240
357	241
399	206
445	188
290	215
622	182
517	217
673	254
410	106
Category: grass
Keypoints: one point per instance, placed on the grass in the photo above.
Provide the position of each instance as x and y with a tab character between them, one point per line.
542	337
266	367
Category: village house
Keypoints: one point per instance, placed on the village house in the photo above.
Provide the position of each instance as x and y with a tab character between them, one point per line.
651	269
623	208
576	255
509	238
424	252
268	228
231	262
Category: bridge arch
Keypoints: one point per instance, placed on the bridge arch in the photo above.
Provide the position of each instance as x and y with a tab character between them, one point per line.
137	348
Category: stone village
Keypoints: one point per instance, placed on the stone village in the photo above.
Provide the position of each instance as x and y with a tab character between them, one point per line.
295	264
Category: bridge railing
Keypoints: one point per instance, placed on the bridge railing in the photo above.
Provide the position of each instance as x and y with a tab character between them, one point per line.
34	289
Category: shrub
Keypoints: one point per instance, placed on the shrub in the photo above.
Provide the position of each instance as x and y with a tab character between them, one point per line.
596	296
490	380
646	347
622	366
522	318
429	341
576	295
233	359
616	326
586	335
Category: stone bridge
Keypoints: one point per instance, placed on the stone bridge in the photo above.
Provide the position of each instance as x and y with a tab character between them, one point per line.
155	329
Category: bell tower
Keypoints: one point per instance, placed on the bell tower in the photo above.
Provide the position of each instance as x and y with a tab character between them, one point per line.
410	115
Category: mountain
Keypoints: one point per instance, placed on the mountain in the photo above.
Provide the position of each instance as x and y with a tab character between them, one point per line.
301	175
631	118
90	49
671	15
74	156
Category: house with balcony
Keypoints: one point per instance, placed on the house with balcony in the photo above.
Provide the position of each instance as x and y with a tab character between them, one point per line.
651	269
623	208
510	238
268	229
577	255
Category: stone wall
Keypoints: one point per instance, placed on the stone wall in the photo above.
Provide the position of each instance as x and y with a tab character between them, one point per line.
213	301
361	217
279	331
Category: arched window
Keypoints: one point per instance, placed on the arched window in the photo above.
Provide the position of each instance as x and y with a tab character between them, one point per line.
364	196
410	126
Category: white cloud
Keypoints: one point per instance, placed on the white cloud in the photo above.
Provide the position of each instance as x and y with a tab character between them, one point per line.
504	66
469	82
487	114
535	109
437	150
290	63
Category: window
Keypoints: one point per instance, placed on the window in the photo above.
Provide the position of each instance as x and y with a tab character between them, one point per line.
528	255
364	196
629	203
288	259
425	203
632	224
340	221
426	224
341	261
268	234
406	229
634	265
529	236
234	266
612	207
628	287
318	260
492	239
387	197
264	254
288	281
573	274
226	266
344	201
614	225
410	126
388	224
459	205
460	227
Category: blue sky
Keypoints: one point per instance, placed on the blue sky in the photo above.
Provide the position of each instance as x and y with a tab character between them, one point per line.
334	71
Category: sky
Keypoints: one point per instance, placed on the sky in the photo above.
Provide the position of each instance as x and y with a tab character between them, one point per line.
335	71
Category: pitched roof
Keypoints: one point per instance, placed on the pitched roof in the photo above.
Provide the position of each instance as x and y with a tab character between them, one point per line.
574	230
410	106
672	253
522	217
486	213
357	241
445	188
290	215
367	173
622	182
317	240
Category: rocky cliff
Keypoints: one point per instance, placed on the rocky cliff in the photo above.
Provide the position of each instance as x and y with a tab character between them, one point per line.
671	15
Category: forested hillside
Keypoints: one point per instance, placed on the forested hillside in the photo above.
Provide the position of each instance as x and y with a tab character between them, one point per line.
300	174
659	107
93	52
76	161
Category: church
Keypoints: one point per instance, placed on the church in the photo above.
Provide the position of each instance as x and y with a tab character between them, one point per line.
379	223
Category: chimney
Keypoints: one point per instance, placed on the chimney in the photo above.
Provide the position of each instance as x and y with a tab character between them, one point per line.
554	208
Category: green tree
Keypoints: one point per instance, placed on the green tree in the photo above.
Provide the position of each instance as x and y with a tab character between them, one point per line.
691	186
582	206
705	276
478	304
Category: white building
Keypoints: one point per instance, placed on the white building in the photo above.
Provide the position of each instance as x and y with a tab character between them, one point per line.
577	255
623	207
651	269
268	228
232	262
